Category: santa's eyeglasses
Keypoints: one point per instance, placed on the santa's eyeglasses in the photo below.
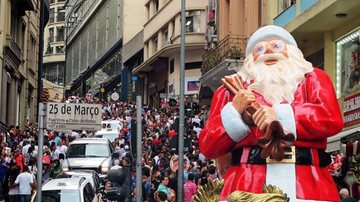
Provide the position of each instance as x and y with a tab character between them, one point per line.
276	46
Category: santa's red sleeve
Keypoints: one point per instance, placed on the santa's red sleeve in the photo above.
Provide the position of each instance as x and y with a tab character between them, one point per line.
319	116
224	127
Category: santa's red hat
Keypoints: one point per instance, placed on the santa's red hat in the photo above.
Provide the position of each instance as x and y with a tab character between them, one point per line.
268	32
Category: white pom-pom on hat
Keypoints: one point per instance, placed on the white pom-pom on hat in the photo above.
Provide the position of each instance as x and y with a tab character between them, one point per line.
268	32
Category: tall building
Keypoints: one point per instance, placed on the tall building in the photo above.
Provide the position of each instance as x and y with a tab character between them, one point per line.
159	74
93	46
95	36
54	50
19	42
229	24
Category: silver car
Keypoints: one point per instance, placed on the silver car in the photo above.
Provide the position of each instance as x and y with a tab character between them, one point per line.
90	153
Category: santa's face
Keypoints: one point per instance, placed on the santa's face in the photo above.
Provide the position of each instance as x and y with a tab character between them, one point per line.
274	70
269	47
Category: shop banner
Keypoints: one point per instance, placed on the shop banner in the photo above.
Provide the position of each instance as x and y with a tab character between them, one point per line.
352	110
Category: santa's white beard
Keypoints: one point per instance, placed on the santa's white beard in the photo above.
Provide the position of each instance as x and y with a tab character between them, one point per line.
278	82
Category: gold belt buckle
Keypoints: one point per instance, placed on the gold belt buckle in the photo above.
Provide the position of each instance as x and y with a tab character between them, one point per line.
289	157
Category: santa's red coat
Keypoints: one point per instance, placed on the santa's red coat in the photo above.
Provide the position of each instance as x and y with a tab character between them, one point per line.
317	117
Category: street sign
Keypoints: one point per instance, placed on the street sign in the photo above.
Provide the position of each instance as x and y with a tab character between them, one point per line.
133	78
102	90
69	116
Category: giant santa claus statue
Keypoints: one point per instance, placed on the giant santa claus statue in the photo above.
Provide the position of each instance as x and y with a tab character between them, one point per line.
281	87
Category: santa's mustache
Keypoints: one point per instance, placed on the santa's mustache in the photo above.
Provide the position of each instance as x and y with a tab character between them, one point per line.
273	56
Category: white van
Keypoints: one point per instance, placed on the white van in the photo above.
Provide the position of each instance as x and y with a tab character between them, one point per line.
110	135
110	129
111	125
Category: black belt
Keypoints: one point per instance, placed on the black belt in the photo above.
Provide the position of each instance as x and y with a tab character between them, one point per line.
303	156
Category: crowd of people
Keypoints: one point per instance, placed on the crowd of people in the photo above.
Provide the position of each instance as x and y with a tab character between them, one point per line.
159	126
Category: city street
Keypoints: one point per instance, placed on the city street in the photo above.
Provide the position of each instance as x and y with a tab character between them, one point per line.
179	100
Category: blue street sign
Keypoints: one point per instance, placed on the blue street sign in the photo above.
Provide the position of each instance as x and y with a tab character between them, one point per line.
134	78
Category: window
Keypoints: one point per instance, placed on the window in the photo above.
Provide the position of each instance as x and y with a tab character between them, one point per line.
166	36
193	65
172	66
89	193
60	33
32	53
15	22
284	4
148	11
193	21
155	42
51	35
52	13
59	49
156	5
60	14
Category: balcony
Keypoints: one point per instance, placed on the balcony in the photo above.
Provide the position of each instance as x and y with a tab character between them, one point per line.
13	51
231	47
224	59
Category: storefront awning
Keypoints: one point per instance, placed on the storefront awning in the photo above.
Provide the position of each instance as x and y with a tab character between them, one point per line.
333	143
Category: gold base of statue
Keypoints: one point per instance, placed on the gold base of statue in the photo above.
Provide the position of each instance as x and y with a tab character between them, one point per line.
211	192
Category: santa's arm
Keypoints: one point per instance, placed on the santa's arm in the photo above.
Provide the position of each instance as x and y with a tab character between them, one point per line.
224	127
319	116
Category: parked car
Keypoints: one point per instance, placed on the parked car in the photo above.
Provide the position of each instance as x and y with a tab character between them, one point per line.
68	189
91	175
90	153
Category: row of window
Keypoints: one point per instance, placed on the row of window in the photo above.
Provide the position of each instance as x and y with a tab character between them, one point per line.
56	34
54	72
153	7
58	50
57	14
193	25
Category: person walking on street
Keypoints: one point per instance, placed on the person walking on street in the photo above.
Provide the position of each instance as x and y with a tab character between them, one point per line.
189	188
27	183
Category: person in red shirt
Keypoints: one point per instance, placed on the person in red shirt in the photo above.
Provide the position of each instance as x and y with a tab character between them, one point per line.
19	159
172	133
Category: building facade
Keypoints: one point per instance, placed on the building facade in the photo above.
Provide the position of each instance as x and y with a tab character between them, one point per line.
54	50
159	73
93	46
229	24
19	35
96	36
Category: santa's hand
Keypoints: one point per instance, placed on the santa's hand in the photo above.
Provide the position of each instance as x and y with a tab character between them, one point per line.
242	99
263	116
